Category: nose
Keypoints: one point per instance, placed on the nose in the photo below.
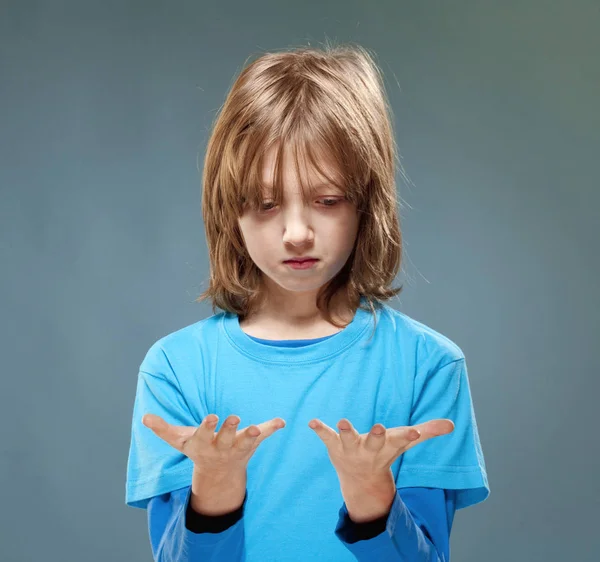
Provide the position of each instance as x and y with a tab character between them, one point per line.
297	229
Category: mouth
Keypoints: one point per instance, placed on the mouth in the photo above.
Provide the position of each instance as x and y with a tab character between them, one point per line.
301	260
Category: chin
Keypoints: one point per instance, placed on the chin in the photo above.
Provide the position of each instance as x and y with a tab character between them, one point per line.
298	285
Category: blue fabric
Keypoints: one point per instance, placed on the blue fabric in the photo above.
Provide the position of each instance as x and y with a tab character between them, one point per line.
403	373
425	532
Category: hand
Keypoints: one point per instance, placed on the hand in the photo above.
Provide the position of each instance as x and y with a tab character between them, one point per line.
368	457
225	452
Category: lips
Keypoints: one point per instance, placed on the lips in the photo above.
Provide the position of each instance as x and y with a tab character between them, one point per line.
300	260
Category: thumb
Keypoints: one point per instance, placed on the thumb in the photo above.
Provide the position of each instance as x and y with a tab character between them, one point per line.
160	427
174	435
154	422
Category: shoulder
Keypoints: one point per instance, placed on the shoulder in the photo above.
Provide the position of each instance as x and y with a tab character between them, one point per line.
181	343
429	345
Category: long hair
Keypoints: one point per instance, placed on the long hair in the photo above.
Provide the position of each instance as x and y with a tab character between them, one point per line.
315	102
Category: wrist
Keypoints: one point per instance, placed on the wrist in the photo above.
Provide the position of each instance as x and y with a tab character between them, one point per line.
217	494
369	500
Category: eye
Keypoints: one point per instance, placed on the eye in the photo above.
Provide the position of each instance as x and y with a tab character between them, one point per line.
330	202
264	206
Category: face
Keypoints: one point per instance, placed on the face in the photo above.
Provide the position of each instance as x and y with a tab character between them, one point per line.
325	229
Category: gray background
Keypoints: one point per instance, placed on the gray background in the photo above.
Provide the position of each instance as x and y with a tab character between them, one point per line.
105	111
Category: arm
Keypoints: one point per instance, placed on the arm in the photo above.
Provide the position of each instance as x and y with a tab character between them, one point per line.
417	528
202	522
178	533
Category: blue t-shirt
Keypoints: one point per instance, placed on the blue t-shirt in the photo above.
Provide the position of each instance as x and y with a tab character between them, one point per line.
426	516
421	532
405	374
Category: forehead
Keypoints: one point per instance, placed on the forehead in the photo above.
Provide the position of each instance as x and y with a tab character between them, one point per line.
311	176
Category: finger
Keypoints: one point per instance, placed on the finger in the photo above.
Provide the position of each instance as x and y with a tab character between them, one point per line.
253	435
349	437
431	429
401	436
174	435
226	435
269	427
434	428
325	433
205	432
375	438
247	439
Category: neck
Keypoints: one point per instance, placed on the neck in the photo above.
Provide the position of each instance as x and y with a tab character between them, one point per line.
295	314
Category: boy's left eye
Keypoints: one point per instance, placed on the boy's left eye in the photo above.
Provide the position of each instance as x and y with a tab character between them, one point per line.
327	202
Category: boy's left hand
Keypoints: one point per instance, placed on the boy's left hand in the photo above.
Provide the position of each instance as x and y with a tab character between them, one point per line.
367	457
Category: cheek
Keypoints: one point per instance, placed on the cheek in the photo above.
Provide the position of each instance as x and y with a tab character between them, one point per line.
344	232
259	240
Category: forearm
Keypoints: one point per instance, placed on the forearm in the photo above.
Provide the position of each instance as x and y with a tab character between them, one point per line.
187	524
217	494
376	525
367	500
174	542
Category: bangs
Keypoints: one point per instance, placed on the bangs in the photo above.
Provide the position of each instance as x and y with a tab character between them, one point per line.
322	152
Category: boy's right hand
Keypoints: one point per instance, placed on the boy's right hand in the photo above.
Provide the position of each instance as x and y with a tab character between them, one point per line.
222	453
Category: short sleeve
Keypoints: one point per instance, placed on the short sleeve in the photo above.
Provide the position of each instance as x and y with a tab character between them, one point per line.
154	467
453	461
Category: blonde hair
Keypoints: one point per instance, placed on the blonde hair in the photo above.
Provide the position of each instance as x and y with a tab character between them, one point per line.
316	102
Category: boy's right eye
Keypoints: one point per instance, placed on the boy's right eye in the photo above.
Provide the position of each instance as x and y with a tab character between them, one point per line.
264	206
